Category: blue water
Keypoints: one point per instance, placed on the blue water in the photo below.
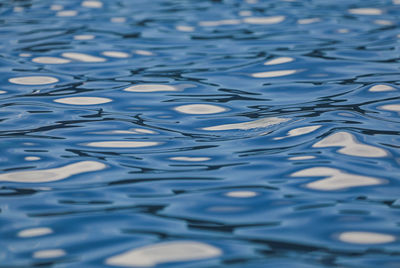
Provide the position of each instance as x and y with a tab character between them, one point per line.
199	133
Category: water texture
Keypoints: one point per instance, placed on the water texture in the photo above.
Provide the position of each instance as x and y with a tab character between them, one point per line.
177	133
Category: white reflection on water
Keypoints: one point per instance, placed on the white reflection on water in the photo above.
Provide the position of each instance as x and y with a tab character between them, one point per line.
56	7
241	194
84	37
383	22
391	107
151	88
366	11
122	144
92	4
50	60
184	28
67	13
337	179
175	251
200	109
264	122
245	13
144	52
83	100
33	232
189	159
271	74
219	22
82	57
350	145
115	54
381	88
118	20
356	237
304	157
53	174
299	131
33	80
343	30
49	253
279	60
308	21
130	131
264	20
32	158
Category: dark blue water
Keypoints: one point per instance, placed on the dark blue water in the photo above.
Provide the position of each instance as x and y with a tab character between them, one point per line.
199	133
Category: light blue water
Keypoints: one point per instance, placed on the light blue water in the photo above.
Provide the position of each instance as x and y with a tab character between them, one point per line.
199	133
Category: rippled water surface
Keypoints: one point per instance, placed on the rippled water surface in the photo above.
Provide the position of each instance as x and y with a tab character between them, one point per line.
177	133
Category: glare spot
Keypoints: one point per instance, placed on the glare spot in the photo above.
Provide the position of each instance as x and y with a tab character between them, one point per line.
118	20
391	107
25	55
3	92
366	238
49	253
336	179
33	232
50	60
84	37
189	159
219	22
32	158
200	109
151	88
175	251
308	21
56	7
122	144
54	174
350	145
241	194
184	28
33	80
144	52
279	60
305	157
366	11
264	20
67	13
260	123
92	4
115	54
83	100
381	88
274	73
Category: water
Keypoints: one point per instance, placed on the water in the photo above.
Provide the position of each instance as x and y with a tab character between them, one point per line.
199	133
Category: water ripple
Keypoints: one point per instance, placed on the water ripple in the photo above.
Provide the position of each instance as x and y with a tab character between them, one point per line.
199	133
